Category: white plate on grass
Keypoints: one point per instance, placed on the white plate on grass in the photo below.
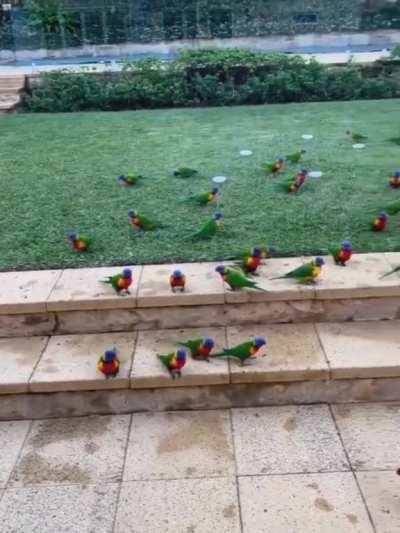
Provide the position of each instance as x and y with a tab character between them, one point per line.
358	146
315	174
245	153
307	136
219	179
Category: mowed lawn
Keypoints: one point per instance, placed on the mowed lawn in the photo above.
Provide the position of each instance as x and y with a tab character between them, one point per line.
58	173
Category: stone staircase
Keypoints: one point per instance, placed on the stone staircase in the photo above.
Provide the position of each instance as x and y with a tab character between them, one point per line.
11	87
336	342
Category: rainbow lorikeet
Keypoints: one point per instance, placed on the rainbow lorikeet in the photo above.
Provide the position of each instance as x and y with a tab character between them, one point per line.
236	279
250	263
177	281
174	362
185	172
296	157
342	254
393	271
244	351
380	223
266	252
130	179
293	185
141	222
109	363
307	273
356	137
120	282
200	348
80	243
210	228
393	208
205	198
394	181
277	166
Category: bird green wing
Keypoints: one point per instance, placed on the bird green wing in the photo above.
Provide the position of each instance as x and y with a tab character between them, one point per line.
193	345
203	198
335	252
269	167
393	208
301	272
166	359
208	230
86	239
113	280
146	223
237	280
185	172
241	351
294	158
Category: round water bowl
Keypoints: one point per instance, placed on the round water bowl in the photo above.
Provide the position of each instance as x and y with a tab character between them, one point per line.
315	174
219	179
358	146
245	153
307	136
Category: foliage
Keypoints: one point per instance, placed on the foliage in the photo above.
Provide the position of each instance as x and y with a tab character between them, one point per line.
60	173
207	78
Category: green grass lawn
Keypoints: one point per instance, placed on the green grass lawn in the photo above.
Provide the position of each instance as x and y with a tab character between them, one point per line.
58	172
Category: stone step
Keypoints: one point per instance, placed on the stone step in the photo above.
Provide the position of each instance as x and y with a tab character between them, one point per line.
302	363
9	101
75	301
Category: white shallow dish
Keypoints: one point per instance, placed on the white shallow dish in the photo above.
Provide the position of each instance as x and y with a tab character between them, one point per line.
219	179
315	174
358	146
307	136
245	152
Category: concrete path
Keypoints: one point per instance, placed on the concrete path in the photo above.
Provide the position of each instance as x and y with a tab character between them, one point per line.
287	469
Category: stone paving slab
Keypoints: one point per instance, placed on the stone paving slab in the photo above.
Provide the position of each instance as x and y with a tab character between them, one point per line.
360	278
69	363
293	353
278	289
82	289
26	292
286	439
179	506
393	258
59	509
148	371
203	285
12	436
180	445
370	434
311	503
73	450
19	357
382	496
362	349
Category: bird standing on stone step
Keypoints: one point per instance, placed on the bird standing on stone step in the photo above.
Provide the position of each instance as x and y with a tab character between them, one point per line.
381	222
342	254
210	228
296	157
142	222
236	279
307	273
174	362
356	137
109	363
200	348
177	281
250	263
394	180
266	252
130	179
120	282
277	166
80	243
185	172
245	351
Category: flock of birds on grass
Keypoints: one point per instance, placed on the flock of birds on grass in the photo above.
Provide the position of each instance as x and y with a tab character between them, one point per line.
238	276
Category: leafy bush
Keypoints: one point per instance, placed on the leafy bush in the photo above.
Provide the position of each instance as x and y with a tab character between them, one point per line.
210	78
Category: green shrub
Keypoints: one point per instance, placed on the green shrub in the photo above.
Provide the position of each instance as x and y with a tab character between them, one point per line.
210	78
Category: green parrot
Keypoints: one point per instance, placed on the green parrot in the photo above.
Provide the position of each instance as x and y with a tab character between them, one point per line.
396	269
210	228
142	222
185	172
393	208
200	348
236	279
306	273
204	198
174	362
296	157
120	282
266	252
356	137
245	351
130	179
274	168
